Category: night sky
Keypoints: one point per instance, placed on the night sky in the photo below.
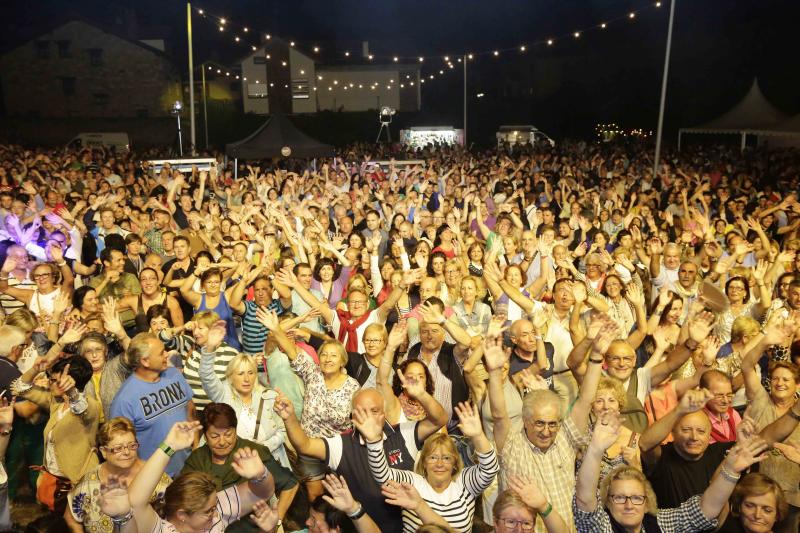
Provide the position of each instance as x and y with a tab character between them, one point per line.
608	75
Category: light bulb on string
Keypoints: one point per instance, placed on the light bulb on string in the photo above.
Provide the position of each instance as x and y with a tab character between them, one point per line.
577	34
522	48
441	72
200	11
603	25
495	53
421	59
245	29
347	54
222	21
222	28
370	57
291	43
446	59
316	49
254	48
268	36
236	39
469	56
395	59
658	4
549	42
268	56
631	15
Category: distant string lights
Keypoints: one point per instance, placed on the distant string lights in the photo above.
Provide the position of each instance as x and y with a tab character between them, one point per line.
224	25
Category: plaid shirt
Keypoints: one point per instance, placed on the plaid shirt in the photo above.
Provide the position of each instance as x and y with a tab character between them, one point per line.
553	469
684	519
154	241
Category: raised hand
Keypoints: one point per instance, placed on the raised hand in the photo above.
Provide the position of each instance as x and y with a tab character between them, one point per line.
607	334
9	265
760	271
216	334
268	319
248	464
531	380
694	400
529	491
634	294
469	420
399	334
413	386
113	499
710	350
606	431
430	313
790	450
700	326
182	435
61	304
664	297
339	495
283	406
64	382
402	495
495	355
579	291
74	333
746	453
368	424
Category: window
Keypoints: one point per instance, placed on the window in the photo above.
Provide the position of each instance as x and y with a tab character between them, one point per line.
67	85
43	49
256	90
100	99
63	49
300	89
95	57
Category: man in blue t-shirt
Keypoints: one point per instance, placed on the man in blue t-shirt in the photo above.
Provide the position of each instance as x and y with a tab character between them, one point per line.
154	397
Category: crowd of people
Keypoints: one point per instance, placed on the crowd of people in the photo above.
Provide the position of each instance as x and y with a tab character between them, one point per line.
526	339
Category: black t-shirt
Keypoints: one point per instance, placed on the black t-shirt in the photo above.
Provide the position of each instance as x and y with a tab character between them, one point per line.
8	373
675	479
180	273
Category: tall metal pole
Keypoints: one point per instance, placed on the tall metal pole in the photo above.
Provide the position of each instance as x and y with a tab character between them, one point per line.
465	100
205	108
191	77
660	129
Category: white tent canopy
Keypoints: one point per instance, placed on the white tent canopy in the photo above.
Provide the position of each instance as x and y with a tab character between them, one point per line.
753	113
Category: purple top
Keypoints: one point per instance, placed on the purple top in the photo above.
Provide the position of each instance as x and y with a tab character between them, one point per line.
337	287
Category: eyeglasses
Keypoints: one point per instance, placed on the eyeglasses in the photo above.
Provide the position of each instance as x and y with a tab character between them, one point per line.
42	275
358	302
441	458
373	341
118	449
541	424
620	499
208	512
511	523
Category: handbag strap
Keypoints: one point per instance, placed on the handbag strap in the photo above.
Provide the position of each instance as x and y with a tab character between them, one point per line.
258	417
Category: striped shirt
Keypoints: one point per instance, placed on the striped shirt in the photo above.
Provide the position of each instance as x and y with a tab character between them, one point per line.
456	504
11	304
254	334
188	350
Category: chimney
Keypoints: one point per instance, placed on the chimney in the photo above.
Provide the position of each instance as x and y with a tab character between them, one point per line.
365	49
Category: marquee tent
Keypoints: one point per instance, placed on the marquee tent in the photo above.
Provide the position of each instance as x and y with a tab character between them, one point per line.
753	113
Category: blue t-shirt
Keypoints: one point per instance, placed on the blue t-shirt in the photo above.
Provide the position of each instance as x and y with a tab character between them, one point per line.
154	408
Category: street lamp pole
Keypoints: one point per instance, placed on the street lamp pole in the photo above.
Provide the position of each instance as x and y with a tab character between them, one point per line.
191	77
660	129
205	107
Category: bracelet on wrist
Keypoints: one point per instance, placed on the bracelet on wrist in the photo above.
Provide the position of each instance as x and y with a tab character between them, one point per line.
122	520
358	513
547	510
164	447
693	346
596	361
262	477
731	476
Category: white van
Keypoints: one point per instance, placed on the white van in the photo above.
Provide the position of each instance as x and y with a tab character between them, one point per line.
526	134
120	141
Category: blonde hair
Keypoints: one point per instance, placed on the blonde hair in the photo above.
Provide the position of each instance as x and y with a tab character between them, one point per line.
24	319
339	347
617	390
744	325
111	428
10	336
188	492
240	360
205	318
431	443
510	498
625	472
